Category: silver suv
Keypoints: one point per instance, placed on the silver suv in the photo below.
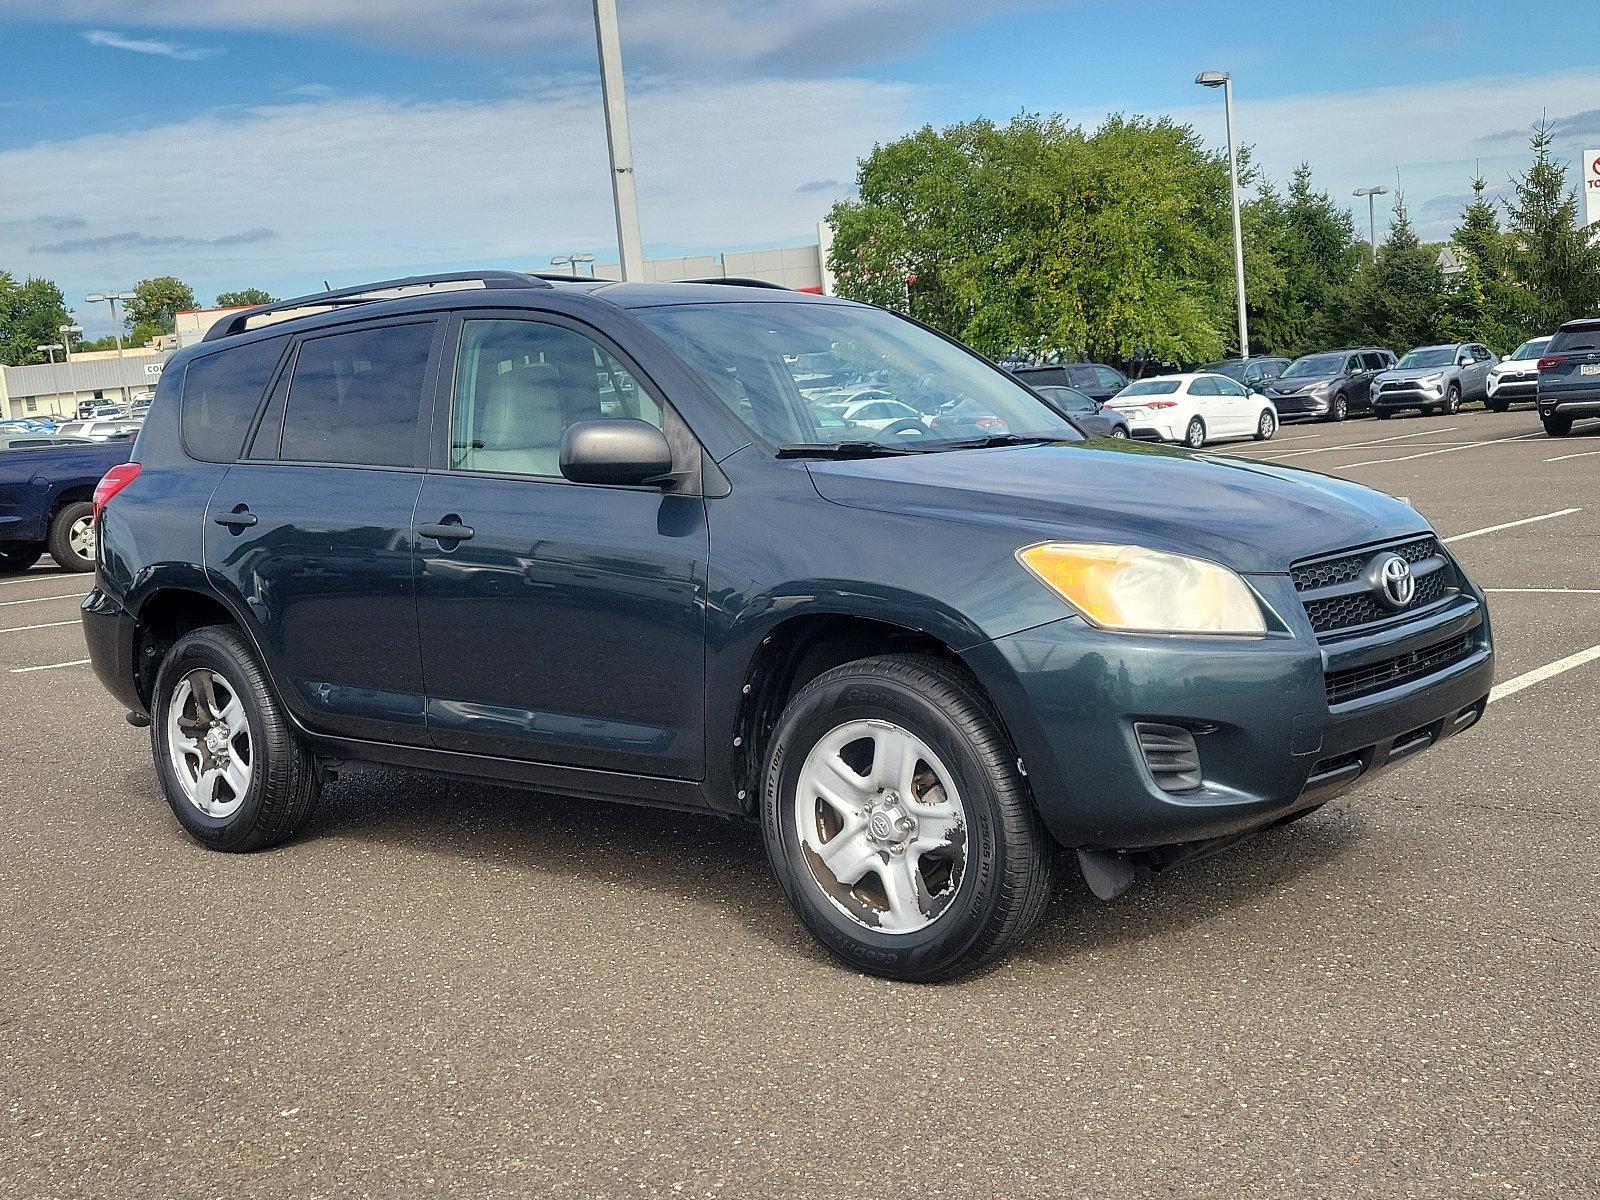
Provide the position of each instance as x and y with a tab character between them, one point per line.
1434	379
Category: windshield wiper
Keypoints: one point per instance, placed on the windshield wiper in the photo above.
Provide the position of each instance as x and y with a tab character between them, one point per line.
842	450
999	439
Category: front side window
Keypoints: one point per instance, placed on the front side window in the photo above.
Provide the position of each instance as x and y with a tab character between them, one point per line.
521	384
1205	386
356	397
1375	362
1227	387
748	354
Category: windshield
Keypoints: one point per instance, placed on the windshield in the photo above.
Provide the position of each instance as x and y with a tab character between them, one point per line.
1429	356
1531	349
1150	387
1315	364
1233	369
751	355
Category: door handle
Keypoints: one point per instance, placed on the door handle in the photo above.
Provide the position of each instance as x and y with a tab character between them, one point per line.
240	519
449	529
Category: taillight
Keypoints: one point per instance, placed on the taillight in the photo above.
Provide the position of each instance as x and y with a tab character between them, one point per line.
1162	404
112	482
1551	362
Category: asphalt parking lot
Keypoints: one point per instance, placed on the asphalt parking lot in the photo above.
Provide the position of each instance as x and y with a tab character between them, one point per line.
446	988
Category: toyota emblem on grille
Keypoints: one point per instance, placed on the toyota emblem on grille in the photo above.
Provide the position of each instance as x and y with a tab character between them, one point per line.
1394	577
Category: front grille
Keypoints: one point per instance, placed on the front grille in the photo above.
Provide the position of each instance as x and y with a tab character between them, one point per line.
1363	608
1356	682
1346	567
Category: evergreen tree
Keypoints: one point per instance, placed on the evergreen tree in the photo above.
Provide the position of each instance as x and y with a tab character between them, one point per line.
1401	299
1552	260
1482	305
31	314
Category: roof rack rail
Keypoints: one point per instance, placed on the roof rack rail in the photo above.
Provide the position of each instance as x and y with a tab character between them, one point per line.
740	281
370	293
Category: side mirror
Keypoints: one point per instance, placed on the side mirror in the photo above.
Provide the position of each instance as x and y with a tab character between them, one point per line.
1505	358
623	452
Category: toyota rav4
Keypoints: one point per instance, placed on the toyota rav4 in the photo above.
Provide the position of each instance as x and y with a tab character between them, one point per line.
590	538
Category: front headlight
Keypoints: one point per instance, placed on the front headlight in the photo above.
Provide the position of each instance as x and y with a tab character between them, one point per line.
1432	380
1134	590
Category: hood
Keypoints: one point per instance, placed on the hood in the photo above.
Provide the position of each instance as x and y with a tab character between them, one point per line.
1246	515
1415	372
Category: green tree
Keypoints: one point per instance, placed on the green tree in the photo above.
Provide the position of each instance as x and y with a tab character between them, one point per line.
1302	256
1037	236
31	314
155	302
1400	298
1551	258
244	298
1482	305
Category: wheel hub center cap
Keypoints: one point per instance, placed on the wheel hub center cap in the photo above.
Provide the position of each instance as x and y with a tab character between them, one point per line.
888	823
217	741
882	825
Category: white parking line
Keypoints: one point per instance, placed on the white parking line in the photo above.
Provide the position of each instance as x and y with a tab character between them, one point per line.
46	625
1461	537
1545	591
1539	674
1372	462
77	662
1399	437
32	577
42	599
1564	457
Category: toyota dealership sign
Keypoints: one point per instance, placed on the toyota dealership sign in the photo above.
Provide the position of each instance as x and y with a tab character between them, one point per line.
1591	186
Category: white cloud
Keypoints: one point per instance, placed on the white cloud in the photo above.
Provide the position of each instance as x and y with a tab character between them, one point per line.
118	41
778	36
354	188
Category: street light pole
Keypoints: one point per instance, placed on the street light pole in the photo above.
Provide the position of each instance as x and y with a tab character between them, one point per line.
572	260
50	348
112	298
1224	80
630	249
1372	213
66	331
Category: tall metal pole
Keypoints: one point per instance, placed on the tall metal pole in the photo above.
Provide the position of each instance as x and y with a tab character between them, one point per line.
630	249
1238	228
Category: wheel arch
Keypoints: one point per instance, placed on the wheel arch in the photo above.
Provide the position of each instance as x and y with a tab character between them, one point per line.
797	650
166	613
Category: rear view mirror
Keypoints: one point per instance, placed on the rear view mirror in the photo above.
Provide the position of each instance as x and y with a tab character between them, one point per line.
623	452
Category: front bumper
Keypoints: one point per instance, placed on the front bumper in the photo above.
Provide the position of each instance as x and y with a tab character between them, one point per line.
1512	388
1302	404
1407	396
1270	744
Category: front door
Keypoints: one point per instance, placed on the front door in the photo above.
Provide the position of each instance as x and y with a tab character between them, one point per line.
565	624
314	530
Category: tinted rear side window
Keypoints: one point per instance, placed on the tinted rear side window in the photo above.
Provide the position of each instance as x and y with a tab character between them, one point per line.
356	397
220	396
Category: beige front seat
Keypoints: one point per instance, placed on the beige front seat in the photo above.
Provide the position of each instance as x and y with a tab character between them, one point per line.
519	423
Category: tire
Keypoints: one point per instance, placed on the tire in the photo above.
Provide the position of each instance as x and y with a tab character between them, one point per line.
1499	406
1339	410
994	869
1194	436
1452	401
281	779
1267	425
1556	426
1117	431
1383	414
71	539
16	559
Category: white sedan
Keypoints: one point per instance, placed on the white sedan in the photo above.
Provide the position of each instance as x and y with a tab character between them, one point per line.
878	414
1195	409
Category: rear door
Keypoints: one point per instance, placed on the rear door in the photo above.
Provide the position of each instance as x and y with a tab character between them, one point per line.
565	624
313	529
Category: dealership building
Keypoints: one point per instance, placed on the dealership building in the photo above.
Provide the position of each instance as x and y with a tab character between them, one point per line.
56	389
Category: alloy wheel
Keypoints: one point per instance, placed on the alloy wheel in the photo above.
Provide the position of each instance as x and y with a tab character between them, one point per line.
881	826
81	538
208	736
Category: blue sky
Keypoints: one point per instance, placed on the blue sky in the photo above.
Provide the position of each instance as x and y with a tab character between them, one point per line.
238	143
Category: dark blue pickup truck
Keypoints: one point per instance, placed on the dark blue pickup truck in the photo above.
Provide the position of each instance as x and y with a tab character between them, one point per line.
46	502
